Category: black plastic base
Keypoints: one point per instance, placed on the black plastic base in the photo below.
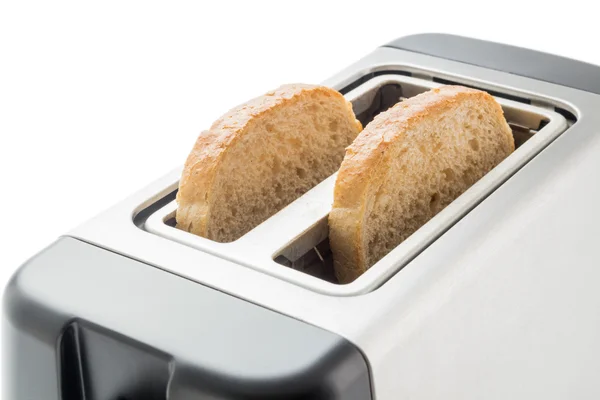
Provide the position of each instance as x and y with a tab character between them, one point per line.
81	323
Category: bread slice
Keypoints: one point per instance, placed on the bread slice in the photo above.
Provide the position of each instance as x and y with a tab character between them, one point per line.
261	156
407	165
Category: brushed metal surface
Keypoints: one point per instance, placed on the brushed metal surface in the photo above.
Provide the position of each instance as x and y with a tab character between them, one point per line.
504	304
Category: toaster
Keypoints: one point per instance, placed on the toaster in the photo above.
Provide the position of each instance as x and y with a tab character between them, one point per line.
496	297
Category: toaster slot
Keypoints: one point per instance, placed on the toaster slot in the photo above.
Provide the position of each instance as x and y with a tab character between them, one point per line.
293	244
375	96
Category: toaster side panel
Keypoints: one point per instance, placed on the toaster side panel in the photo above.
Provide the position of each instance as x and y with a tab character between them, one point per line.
500	57
82	322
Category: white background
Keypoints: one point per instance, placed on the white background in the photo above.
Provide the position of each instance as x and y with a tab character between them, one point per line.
99	99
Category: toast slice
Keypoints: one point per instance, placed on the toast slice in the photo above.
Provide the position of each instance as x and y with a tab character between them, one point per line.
408	164
260	156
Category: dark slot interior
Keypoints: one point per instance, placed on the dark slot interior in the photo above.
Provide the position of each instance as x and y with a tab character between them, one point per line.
370	76
318	261
493	93
569	116
171	222
142	216
386	97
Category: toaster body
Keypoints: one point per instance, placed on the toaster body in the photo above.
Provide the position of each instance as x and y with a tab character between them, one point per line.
496	297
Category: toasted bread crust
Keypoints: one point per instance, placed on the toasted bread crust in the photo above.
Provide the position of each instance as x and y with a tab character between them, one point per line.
201	170
365	163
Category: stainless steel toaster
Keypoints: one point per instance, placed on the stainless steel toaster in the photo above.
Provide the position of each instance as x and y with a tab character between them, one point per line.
496	297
